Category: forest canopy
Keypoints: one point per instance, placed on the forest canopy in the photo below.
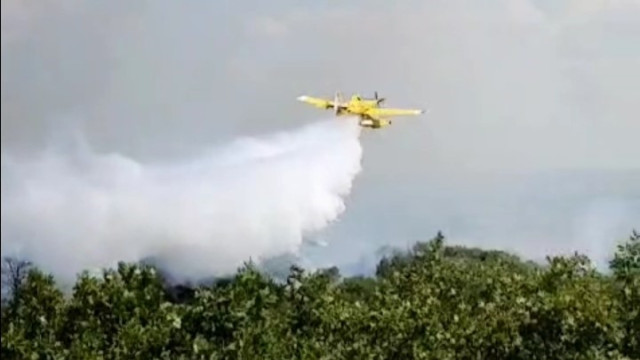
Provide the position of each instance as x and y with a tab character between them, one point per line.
433	302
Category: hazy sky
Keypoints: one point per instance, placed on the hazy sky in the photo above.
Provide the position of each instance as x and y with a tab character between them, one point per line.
531	143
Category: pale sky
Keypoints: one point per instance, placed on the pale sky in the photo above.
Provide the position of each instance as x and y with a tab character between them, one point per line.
531	143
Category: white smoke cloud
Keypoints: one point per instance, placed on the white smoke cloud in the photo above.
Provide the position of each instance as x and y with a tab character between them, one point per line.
254	198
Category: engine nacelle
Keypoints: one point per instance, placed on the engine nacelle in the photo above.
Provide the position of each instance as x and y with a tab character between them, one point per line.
374	124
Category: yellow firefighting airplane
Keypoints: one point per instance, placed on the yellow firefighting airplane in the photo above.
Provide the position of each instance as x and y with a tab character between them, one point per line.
369	110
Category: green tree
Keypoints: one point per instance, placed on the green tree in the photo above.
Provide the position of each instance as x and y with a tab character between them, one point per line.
35	319
626	269
433	302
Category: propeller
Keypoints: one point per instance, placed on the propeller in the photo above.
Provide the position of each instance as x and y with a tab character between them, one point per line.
336	104
378	100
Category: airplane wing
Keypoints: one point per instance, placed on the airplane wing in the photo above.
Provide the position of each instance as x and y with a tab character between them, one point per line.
317	102
387	112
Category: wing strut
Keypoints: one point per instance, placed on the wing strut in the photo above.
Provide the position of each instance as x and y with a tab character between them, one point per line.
336	103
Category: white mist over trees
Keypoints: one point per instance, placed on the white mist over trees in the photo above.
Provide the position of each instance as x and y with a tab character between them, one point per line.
254	198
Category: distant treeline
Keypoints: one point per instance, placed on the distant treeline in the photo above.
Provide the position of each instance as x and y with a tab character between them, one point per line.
434	302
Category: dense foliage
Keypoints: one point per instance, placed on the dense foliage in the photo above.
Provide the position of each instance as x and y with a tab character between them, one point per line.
435	302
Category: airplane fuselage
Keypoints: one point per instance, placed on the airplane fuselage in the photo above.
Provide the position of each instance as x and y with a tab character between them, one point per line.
357	106
360	108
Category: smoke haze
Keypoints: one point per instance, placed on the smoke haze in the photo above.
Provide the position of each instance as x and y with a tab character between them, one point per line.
254	198
530	146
